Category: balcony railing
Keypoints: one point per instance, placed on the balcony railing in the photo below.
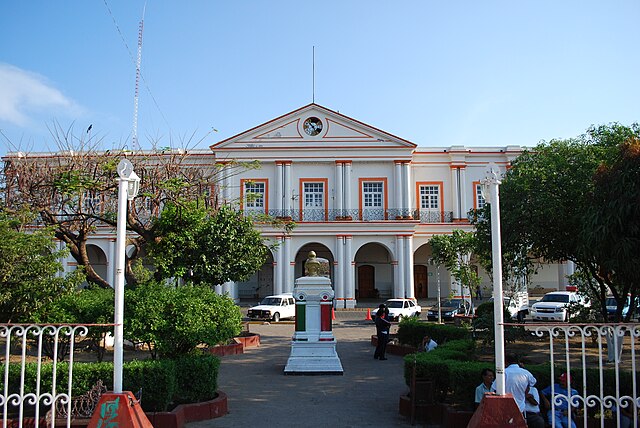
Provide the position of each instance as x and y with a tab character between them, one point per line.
367	214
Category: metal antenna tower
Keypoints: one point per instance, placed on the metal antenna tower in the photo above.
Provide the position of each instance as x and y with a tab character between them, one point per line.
134	135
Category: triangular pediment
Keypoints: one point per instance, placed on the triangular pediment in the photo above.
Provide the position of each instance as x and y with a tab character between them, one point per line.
313	126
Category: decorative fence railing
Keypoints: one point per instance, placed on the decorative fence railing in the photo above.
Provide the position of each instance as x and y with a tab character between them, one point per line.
23	401
366	214
601	363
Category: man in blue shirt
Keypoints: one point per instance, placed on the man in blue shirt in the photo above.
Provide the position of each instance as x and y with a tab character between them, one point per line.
561	411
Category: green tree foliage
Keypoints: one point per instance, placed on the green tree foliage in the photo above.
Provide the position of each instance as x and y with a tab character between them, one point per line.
175	321
206	248
454	252
613	223
553	207
87	306
29	270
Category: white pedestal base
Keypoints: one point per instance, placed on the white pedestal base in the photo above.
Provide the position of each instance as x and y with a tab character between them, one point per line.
313	358
350	303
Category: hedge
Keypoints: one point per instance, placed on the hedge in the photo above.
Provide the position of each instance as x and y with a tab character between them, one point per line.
455	374
163	382
411	331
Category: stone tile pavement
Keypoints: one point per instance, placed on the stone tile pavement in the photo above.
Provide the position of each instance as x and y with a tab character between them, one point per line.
260	394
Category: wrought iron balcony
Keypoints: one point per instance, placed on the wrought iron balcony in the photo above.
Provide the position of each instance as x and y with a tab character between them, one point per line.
367	214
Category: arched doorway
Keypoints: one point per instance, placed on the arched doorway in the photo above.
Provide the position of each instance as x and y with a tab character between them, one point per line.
420	281
260	284
366	282
379	274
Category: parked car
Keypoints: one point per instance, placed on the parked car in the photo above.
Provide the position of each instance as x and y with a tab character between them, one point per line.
274	308
449	308
556	306
612	305
399	308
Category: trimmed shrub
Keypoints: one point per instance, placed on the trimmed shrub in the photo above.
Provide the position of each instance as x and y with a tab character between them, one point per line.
411	331
163	382
196	379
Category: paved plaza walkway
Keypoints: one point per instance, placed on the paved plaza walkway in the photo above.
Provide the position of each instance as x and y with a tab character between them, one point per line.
260	395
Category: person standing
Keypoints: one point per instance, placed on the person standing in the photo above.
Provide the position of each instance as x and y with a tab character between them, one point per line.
382	331
517	381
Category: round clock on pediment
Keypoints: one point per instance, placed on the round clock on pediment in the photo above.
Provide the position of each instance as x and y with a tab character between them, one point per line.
312	126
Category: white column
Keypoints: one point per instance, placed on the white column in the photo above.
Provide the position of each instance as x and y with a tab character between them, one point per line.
111	262
408	255
287	186
226	184
279	188
398	287
278	277
397	181
229	288
289	266
463	193
454	192
339	272
339	195
349	272
406	188
348	203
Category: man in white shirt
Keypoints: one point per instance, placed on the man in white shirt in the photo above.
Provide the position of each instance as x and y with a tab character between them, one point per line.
428	344
517	381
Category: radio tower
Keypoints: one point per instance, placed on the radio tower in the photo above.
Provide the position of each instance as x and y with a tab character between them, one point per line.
134	135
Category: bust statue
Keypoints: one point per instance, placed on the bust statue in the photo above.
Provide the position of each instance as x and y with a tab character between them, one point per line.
316	266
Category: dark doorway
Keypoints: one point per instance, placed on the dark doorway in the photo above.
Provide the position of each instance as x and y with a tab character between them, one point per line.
366	282
420	281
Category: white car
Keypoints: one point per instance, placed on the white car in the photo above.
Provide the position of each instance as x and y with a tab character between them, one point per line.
275	308
555	306
400	308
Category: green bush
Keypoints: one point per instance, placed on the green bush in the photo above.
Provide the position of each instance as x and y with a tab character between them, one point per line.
197	379
163	382
412	330
172	322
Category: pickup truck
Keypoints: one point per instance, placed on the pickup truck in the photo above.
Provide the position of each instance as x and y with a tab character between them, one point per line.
401	308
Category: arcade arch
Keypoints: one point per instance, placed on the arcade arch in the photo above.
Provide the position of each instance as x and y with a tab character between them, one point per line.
374	271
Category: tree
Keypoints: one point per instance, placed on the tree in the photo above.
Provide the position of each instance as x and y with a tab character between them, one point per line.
206	248
547	204
613	224
454	252
75	190
86	306
29	269
174	321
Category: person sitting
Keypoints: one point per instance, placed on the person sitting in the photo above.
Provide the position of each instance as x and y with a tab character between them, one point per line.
561	409
488	376
532	409
428	344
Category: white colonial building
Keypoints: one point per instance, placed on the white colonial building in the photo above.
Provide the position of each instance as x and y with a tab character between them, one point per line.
366	200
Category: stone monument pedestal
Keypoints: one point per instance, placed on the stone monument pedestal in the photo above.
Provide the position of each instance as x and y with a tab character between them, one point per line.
313	347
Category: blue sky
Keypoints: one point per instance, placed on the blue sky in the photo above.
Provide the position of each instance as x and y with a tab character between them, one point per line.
475	73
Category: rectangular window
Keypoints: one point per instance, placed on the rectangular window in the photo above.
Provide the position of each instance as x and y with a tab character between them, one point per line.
373	200
313	201
479	200
91	203
254	196
429	197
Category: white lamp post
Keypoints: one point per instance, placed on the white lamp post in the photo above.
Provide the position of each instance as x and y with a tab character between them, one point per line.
432	262
490	187
128	186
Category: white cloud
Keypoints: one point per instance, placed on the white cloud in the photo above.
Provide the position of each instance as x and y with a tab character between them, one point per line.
23	93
